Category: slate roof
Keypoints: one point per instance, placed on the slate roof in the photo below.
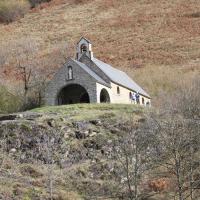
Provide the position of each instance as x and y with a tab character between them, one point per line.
119	77
90	72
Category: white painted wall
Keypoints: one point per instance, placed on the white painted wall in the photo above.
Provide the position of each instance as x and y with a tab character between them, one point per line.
123	97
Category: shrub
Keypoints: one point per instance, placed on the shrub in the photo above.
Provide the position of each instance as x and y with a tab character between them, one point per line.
34	3
8	102
80	1
10	10
194	15
30	102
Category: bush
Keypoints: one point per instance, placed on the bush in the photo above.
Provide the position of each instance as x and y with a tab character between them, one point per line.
30	102
80	1
194	15
8	102
34	3
10	10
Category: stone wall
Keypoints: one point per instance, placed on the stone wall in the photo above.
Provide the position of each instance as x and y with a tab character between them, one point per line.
60	81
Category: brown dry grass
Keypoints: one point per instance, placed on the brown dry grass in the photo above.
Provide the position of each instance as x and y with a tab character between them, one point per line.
156	42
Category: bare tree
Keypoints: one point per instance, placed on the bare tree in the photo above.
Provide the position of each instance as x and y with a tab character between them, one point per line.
189	106
22	61
177	128
49	142
133	153
25	65
3	54
170	149
50	156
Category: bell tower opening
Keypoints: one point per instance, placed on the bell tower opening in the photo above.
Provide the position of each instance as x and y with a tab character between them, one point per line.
83	48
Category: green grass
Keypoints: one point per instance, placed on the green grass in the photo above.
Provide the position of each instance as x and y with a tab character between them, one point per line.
91	111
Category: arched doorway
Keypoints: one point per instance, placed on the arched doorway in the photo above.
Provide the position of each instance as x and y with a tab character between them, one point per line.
72	94
104	96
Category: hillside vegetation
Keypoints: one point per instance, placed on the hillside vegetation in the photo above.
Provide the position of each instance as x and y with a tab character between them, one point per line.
155	42
8	102
12	10
103	151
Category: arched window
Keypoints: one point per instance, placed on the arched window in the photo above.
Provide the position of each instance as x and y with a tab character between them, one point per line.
70	73
142	100
83	48
118	90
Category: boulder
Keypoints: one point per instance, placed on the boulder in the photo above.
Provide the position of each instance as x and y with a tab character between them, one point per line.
96	122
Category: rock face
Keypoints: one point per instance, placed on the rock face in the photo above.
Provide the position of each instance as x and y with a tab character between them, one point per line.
25	115
28	133
74	154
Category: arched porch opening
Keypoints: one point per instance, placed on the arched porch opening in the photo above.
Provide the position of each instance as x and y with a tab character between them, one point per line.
72	94
104	96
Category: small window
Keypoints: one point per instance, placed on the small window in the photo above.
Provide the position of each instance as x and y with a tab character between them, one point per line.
118	90
83	48
142	100
70	73
130	95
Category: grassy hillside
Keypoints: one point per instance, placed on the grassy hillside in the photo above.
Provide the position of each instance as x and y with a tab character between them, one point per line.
97	151
91	111
156	42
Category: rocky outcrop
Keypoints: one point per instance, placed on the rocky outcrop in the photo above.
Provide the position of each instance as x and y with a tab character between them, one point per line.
32	135
82	149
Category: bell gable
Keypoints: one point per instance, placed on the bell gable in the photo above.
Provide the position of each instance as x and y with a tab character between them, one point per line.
84	47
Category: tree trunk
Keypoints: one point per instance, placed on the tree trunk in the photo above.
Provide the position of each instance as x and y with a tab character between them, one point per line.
191	172
178	177
128	178
136	173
